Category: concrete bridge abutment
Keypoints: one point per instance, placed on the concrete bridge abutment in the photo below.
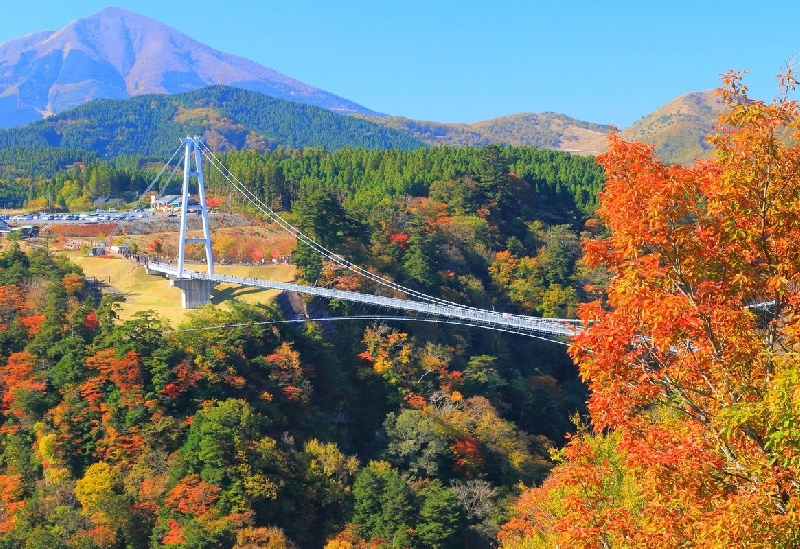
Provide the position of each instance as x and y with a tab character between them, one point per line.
194	291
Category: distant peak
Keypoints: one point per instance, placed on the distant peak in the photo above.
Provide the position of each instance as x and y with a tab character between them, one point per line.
111	10
118	13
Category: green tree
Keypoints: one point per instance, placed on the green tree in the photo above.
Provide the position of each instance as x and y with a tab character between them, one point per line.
417	443
383	505
419	260
218	439
493	176
441	517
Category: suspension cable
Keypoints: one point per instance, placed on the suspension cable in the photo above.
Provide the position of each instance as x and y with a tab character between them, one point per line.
118	226
369	318
157	177
330	255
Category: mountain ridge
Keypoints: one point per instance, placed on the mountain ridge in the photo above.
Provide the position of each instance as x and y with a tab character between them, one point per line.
116	54
227	117
678	129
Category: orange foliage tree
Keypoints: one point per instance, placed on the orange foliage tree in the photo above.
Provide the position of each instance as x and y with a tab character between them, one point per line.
18	380
288	373
11	500
692	358
12	301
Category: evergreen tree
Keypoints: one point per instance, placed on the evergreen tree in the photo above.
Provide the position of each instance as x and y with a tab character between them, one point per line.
383	505
440	518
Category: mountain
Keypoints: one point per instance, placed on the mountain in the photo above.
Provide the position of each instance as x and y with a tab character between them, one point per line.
116	54
152	125
678	129
547	130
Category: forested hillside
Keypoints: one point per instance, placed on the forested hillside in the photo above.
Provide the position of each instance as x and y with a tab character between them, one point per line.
152	125
232	431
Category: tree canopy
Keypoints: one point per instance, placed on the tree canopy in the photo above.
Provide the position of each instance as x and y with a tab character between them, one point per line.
691	356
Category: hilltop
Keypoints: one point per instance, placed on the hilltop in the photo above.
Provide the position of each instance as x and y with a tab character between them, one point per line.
678	129
226	117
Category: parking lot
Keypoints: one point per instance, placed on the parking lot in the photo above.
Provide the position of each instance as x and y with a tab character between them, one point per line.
98	216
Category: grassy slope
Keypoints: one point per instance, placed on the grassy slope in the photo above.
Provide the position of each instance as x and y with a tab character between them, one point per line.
144	292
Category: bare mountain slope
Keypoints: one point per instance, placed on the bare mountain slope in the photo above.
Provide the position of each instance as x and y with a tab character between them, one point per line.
678	129
115	54
546	130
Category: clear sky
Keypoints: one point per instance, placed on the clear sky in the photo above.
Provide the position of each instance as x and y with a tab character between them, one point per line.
609	62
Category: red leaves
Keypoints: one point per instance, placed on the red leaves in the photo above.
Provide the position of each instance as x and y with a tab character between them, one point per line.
257	255
123	372
11	501
73	284
90	322
213	201
32	323
17	376
674	306
174	535
400	239
415	401
467	456
289	374
192	496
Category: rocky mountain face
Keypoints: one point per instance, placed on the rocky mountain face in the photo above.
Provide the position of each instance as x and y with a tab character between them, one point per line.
115	54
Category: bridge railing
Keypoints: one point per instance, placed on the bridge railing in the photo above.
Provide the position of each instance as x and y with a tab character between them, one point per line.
559	327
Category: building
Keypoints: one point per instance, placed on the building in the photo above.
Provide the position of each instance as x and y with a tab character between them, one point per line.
172	203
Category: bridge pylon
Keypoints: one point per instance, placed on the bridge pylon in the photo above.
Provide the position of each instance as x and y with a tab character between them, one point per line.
195	292
193	167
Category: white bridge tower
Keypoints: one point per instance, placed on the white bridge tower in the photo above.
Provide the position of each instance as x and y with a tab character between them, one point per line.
195	292
192	145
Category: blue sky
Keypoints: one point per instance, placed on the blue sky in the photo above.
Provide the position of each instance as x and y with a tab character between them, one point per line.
471	60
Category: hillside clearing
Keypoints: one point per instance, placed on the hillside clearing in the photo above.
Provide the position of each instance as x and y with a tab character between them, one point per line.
144	292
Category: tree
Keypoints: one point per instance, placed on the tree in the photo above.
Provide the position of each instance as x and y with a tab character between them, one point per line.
383	507
327	480
262	538
100	502
493	172
11	500
417	443
219	437
692	359
440	517
287	372
322	218
419	260
21	385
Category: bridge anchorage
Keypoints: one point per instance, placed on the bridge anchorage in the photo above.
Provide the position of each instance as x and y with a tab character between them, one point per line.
196	286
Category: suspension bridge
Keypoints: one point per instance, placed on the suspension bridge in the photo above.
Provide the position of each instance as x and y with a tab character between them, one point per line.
197	286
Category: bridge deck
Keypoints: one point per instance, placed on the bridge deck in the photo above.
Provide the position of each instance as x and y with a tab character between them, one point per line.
515	323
